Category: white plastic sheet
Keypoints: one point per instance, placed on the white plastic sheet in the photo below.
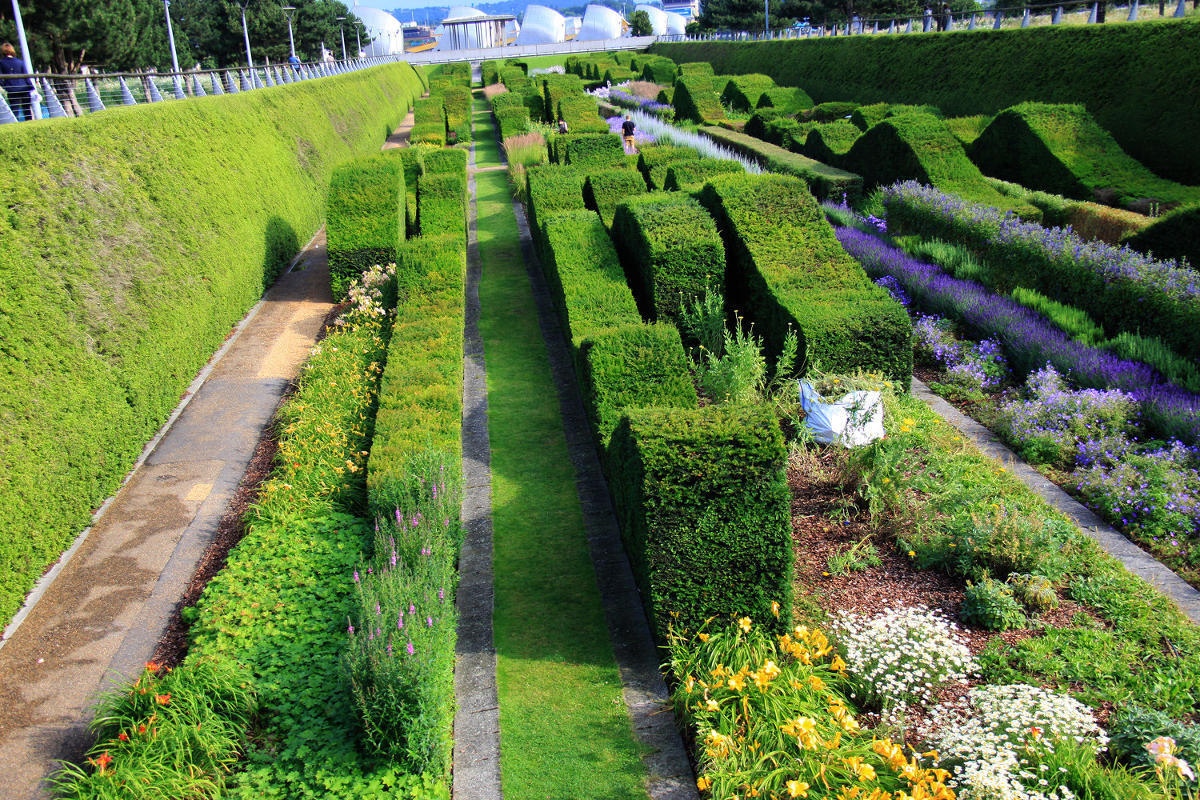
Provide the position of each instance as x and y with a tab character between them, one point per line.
854	420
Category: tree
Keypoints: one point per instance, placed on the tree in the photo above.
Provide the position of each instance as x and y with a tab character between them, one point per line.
64	35
213	30
639	24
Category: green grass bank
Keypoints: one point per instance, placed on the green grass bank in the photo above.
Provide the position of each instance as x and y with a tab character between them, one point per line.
133	241
1139	81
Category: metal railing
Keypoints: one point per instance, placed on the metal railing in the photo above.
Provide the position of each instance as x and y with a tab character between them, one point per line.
1022	16
75	95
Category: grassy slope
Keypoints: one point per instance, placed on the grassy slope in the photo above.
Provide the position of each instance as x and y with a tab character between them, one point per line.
564	729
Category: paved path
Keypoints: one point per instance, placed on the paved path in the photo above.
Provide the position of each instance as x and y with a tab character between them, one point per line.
1117	544
104	612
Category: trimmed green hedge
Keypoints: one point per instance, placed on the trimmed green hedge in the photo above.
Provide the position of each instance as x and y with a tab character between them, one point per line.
555	88
442	203
830	142
1061	149
1092	221
671	251
457	102
617	75
653	161
366	218
743	91
829	111
127	259
690	175
920	147
550	189
420	396
694	68
657	70
445	161
786	270
429	121
967	129
582	113
1151	111
823	180
788	99
704	507
590	150
512	121
489	72
695	101
864	117
1176	235
604	189
413	160
512	74
507	100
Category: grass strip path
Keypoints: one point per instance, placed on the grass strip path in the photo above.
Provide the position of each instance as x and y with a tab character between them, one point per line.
565	732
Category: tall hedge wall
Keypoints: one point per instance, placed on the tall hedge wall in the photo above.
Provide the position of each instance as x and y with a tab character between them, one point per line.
1140	81
366	220
703	501
785	269
132	243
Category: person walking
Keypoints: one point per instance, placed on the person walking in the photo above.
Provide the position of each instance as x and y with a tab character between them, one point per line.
18	89
627	130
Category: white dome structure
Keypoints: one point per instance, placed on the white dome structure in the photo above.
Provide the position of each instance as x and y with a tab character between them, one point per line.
542	26
460	13
385	31
600	23
676	23
658	18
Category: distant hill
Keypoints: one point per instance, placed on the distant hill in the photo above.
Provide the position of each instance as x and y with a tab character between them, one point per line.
432	15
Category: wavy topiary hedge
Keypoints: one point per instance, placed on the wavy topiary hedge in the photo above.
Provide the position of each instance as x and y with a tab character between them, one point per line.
824	180
1176	235
128	256
695	100
1061	149
830	142
671	251
657	70
692	174
653	161
919	146
703	501
742	92
786	270
788	99
1139	81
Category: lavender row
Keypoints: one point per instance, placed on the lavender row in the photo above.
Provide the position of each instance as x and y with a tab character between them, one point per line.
1030	340
1123	289
624	99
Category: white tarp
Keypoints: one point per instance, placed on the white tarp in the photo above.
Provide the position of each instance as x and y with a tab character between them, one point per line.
854	420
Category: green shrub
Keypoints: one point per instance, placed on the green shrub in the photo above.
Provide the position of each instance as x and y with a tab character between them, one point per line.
1036	592
604	189
624	58
128	258
420	395
830	111
695	101
513	121
691	174
582	114
830	142
703	501
590	150
989	604
1090	220
551	189
1176	235
756	126
788	99
490	72
413	161
1062	149
823	180
666	95
442	203
445	161
653	161
919	147
694	68
658	70
742	92
555	88
1151	115
786	271
457	103
433	133
510	75
671	251
429	110
506	100
366	219
617	75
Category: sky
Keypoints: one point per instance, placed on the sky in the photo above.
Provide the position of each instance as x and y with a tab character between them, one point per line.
390	5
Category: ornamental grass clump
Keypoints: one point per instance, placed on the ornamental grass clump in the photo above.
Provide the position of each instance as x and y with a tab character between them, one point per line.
999	742
770	719
400	658
901	657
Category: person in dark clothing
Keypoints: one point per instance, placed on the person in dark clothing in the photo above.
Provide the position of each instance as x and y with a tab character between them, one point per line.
943	22
627	129
18	89
562	126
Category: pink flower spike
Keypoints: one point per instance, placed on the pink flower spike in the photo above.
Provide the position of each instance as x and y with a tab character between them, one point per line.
429	622
399	517
350	626
411	649
412	608
356	576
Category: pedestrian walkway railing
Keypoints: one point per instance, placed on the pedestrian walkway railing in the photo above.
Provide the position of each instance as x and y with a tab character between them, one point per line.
75	95
934	20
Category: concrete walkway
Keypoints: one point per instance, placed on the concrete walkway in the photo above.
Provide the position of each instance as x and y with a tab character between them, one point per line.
102	615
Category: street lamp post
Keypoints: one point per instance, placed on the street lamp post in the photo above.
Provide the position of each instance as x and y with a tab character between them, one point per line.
357	38
288	11
175	79
246	36
342	30
35	97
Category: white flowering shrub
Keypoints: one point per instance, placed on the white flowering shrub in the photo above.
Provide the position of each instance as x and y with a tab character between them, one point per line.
996	744
900	657
366	294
